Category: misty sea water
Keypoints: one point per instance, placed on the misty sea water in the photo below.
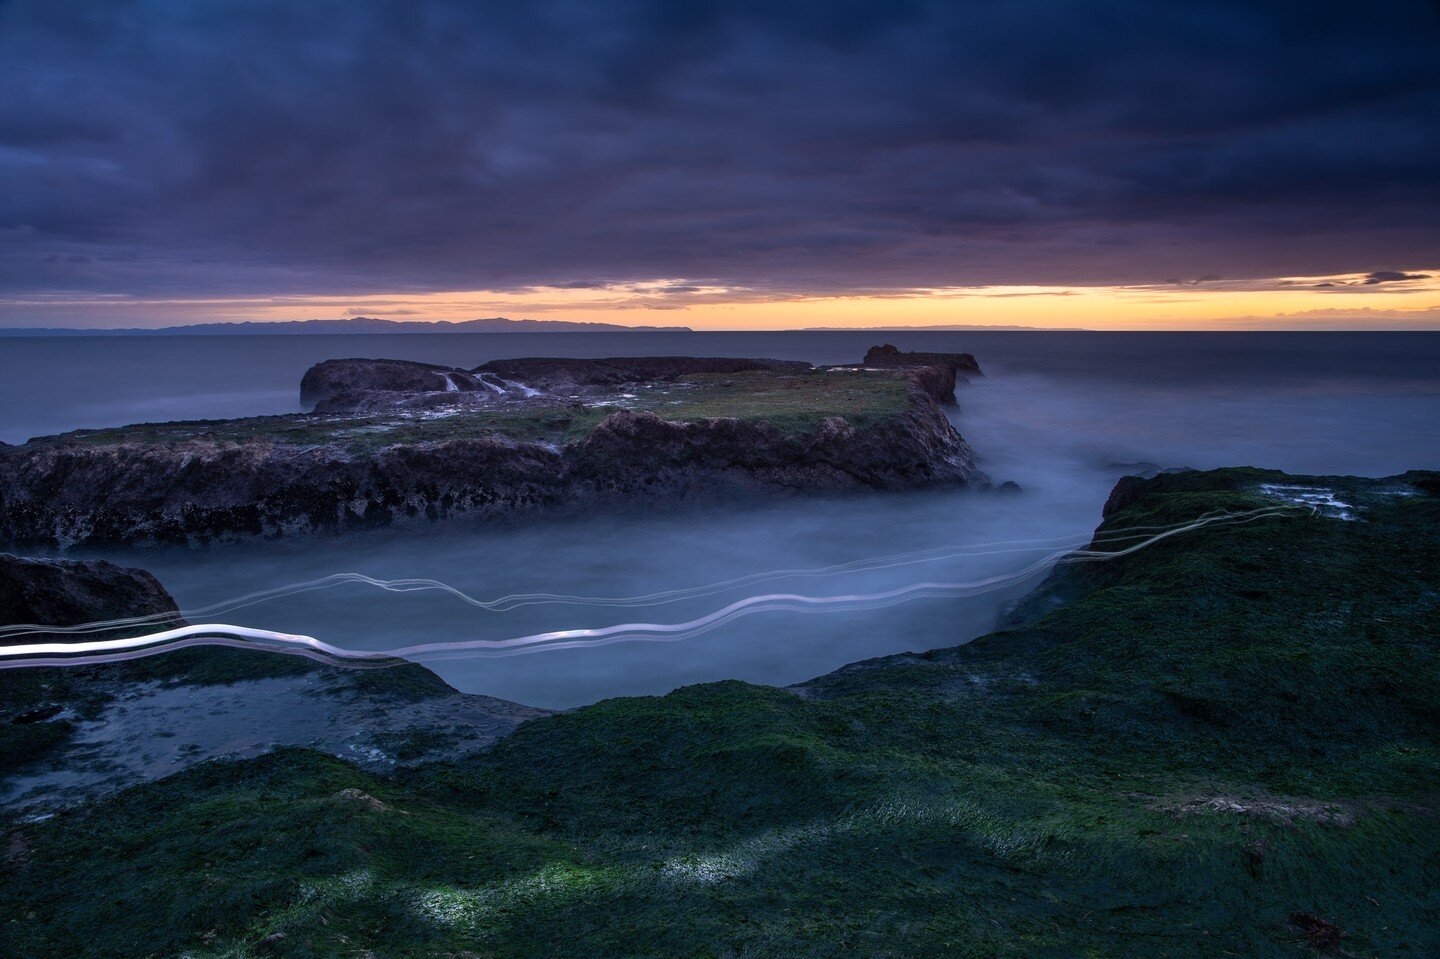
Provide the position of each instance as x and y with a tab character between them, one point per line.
1062	414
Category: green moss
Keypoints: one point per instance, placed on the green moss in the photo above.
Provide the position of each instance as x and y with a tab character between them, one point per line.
412	744
794	403
1227	729
403	681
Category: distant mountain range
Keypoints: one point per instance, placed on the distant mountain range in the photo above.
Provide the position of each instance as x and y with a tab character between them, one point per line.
494	324
358	324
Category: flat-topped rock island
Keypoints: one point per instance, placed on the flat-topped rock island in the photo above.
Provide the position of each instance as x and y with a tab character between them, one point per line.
391	442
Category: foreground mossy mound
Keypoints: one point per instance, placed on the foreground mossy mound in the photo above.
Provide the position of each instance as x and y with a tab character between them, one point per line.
1224	744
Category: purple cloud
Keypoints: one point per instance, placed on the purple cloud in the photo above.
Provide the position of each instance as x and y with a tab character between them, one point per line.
790	145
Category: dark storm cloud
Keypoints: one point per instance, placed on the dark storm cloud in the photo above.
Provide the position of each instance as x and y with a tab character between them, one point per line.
192	147
1393	276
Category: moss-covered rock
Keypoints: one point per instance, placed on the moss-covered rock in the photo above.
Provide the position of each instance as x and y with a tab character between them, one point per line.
1223	744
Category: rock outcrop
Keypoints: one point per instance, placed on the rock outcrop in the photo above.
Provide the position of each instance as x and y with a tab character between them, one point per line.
632	452
57	592
202	490
892	357
339	386
332	377
935	374
39	706
523	449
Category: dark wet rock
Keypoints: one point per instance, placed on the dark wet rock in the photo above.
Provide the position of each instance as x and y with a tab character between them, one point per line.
201	490
469	393
323	382
934	374
936	382
1428	483
632	452
55	592
363	386
1126	491
889	357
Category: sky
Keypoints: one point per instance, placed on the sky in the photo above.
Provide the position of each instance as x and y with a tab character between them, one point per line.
722	165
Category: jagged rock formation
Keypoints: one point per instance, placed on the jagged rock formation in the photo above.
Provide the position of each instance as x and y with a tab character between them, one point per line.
891	357
56	592
936	374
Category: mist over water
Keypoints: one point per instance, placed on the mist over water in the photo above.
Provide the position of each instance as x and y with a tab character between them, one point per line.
1062	414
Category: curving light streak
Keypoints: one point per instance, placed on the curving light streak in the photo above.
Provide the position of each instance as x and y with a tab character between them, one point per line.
516	600
55	653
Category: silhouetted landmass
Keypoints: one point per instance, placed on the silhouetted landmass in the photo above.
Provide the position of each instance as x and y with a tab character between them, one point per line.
358	324
494	324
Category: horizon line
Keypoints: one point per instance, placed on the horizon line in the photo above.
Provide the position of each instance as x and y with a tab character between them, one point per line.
249	329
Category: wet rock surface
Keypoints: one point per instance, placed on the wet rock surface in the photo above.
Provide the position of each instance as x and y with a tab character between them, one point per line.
333	377
57	592
149	730
80	732
934	374
888	356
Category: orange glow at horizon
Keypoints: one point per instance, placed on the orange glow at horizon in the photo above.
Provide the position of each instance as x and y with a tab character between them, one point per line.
1340	302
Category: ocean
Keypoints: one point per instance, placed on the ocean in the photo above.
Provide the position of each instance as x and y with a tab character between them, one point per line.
1062	414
